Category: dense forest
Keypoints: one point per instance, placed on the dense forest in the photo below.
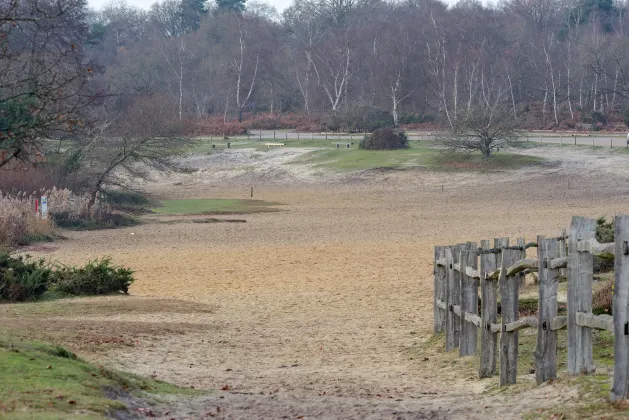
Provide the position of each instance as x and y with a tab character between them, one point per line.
554	62
67	70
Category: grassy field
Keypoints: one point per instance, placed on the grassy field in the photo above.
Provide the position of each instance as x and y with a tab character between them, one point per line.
422	154
419	154
50	383
214	206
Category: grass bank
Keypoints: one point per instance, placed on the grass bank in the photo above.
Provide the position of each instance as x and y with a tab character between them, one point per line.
46	382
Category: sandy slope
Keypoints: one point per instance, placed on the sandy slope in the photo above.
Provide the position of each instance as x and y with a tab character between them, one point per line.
320	309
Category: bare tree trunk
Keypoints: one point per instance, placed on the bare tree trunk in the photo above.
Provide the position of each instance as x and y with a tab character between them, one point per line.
226	108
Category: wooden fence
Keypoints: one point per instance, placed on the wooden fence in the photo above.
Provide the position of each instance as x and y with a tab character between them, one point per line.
500	269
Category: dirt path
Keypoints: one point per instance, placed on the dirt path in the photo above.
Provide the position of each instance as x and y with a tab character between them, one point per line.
321	310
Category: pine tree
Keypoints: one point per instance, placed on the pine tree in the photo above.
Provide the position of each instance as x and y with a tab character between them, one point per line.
231	5
192	11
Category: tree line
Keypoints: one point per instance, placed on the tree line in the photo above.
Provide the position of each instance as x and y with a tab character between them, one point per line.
550	62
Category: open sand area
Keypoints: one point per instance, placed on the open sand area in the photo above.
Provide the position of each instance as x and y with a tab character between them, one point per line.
321	309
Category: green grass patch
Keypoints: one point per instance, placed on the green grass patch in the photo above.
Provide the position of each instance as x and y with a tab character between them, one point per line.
45	382
417	155
214	206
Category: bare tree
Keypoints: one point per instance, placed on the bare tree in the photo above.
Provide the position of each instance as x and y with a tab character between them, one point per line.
331	62
484	129
127	142
241	64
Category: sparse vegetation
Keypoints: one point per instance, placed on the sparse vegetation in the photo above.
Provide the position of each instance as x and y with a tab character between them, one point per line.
214	206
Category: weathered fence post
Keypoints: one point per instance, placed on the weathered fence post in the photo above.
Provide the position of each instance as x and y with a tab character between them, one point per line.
521	242
453	297
580	268
561	245
489	312
546	348
509	310
469	299
621	309
440	289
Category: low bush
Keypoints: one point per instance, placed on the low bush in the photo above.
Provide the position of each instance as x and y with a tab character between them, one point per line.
98	277
385	139
22	279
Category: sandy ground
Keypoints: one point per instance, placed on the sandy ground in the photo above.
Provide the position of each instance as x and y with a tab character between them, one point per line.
320	310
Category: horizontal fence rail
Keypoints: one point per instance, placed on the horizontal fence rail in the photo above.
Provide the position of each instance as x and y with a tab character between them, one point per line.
498	269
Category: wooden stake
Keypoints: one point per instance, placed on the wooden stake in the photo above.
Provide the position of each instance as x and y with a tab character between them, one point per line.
546	348
509	313
620	385
580	268
440	290
469	300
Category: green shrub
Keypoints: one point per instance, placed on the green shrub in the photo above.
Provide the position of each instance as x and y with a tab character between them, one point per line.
604	234
22	280
384	139
604	230
98	277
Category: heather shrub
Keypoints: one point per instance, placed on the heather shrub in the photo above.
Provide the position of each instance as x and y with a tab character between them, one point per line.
385	139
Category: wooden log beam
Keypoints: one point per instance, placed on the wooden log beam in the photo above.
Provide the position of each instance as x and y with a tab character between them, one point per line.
457	267
441	304
495	328
456	309
471	272
473	318
559	323
597	322
606	250
520	324
441	262
527	263
561	262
